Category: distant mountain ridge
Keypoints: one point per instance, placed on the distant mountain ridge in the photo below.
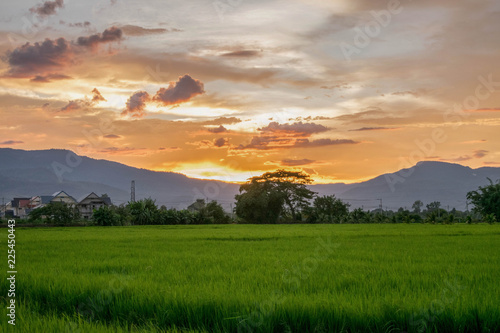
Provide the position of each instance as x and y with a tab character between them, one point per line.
40	172
28	173
427	181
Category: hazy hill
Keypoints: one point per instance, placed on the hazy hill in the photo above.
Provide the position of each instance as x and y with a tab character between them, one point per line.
29	173
426	181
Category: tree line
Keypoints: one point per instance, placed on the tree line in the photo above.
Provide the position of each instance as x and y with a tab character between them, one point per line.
277	197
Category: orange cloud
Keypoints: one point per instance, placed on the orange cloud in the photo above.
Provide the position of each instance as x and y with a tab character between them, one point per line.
86	102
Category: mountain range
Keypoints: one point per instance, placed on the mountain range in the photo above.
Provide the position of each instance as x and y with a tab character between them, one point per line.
43	172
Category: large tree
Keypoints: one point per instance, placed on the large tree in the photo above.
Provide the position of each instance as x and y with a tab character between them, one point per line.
265	198
486	200
329	209
417	207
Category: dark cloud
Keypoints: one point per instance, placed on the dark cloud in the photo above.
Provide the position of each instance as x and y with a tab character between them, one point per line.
223	121
286	136
181	91
305	143
275	142
136	104
39	61
50	77
135	30
337	86
85	24
457	159
47	8
177	92
299	129
291	163
220	142
220	129
310	118
11	142
373	129
463	158
38	58
480	153
112	136
124	151
109	35
241	54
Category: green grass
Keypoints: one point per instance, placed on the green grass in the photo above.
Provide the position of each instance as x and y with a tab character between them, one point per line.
257	278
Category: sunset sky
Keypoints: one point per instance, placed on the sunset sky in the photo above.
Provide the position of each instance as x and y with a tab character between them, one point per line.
344	90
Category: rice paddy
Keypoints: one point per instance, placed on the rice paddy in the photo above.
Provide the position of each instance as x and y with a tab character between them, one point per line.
257	278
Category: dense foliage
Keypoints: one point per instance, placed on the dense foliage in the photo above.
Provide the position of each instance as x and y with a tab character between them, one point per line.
486	201
274	196
277	197
55	213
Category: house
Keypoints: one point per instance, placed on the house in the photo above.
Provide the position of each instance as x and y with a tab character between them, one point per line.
88	203
6	210
196	206
40	201
20	207
62	196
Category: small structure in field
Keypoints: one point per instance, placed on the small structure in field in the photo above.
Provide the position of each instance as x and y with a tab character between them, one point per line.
62	196
87	204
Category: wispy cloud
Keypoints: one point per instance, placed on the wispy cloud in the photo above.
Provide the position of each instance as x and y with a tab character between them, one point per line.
11	142
373	129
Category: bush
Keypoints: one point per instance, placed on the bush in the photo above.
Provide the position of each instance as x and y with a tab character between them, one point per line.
55	212
106	216
486	201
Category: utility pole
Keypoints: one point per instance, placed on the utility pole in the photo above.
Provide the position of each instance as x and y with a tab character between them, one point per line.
380	206
132	191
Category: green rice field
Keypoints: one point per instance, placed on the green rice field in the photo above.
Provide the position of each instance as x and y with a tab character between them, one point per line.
256	278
